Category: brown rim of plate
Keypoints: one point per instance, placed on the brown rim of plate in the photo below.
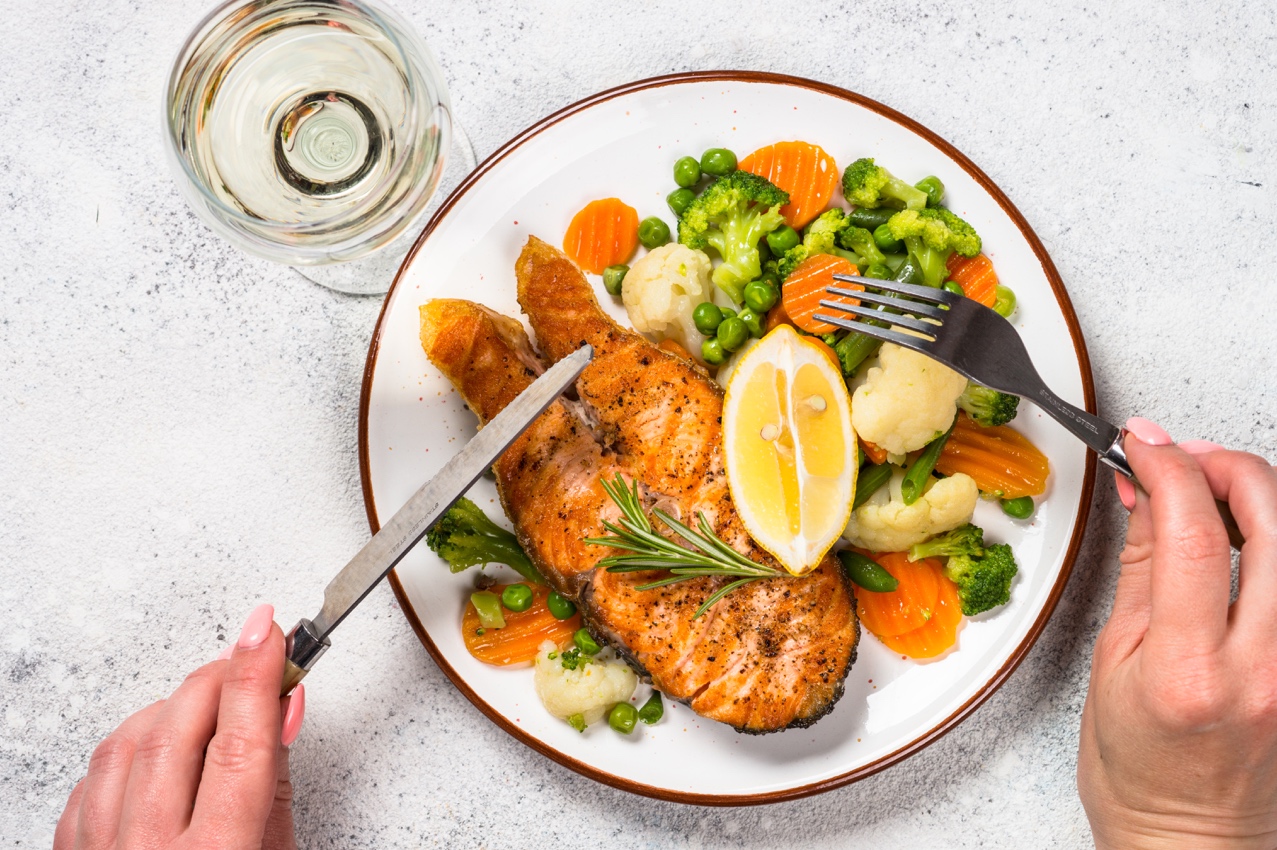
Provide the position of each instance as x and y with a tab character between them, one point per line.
1075	542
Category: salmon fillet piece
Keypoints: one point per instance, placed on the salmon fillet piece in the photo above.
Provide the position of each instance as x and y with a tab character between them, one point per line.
788	642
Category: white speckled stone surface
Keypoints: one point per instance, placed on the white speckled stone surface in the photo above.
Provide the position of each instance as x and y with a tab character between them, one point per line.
178	421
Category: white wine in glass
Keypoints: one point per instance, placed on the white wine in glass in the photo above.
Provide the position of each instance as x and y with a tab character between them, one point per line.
308	132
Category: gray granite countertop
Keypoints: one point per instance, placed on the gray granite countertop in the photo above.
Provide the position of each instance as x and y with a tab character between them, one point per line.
178	420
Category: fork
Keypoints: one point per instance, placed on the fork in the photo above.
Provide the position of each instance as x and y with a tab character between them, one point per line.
947	324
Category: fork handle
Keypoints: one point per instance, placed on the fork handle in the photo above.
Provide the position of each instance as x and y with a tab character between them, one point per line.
1115	458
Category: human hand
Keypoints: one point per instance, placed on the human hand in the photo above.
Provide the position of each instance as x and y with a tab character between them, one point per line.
207	767
1179	733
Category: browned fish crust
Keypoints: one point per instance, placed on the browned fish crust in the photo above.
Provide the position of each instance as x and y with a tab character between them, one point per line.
769	656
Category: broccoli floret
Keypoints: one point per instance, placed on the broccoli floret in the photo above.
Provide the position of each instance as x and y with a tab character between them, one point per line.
931	235
867	185
465	537
731	216
988	407
861	242
822	236
982	573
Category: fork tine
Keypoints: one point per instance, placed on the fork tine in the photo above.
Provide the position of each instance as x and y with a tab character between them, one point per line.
889	318
918	308
904	340
925	293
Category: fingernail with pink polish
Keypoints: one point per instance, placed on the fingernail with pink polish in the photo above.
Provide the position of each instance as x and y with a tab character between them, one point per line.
225	653
257	626
1148	432
1125	491
293	716
1200	447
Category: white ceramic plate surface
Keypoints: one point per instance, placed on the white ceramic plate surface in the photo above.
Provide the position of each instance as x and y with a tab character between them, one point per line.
623	143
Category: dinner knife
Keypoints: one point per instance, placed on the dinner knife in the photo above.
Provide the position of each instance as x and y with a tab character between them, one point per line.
309	638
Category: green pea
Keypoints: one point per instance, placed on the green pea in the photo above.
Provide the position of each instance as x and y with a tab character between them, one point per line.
867	573
577	722
934	189
732	333
561	608
727	312
764	253
783	239
1004	301
877	271
752	321
771	277
585	643
954	287
887	243
712	352
517	597
687	172
760	296
718	162
613	277
679	200
707	317
653	232
622	717
652	710
488	606
1021	508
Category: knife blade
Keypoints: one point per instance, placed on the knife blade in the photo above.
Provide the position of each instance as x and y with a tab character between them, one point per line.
309	638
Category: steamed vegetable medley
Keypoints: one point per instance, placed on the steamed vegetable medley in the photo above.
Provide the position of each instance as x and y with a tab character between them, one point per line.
757	241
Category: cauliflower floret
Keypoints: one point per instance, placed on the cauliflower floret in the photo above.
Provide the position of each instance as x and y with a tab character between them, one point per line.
886	524
590	690
906	401
661	290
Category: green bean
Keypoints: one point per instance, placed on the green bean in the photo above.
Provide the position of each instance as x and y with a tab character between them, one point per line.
783	239
1021	508
1004	301
954	287
687	172
679	200
909	272
870	481
577	722
887	243
707	317
760	296
869	219
732	333
878	271
622	717
652	710
867	573
934	189
517	597
919	472
855	348
718	162
488	606
712	352
561	608
653	233
752	321
614	277
585	643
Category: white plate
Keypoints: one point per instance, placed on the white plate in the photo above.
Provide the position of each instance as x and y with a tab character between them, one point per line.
623	143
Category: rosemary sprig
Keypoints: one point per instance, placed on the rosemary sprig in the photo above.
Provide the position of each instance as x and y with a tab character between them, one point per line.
707	554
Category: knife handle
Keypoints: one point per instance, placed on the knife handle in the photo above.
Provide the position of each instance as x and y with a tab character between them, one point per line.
302	647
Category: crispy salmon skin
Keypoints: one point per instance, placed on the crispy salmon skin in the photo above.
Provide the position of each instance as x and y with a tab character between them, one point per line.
769	656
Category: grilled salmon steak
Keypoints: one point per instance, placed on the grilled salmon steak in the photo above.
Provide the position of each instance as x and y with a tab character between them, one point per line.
768	656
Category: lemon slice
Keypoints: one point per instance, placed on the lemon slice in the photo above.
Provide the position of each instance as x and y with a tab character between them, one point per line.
790	448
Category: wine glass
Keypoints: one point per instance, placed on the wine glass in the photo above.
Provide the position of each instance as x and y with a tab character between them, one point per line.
310	132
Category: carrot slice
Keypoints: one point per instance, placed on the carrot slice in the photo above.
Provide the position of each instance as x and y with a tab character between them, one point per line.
803	290
940	632
776	317
602	234
999	458
524	631
803	170
907	608
873	452
976	277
